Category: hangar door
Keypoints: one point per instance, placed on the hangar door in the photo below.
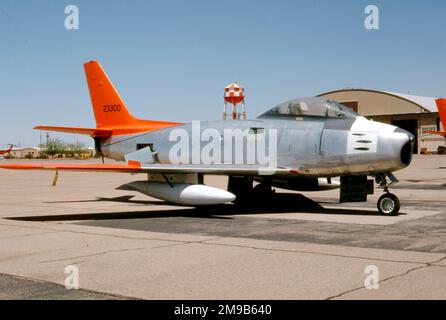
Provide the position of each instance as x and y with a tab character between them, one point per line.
352	105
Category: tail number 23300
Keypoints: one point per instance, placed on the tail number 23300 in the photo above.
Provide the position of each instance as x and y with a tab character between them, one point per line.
112	108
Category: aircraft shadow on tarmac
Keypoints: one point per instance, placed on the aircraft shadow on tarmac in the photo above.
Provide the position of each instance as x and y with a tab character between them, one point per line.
281	203
123	199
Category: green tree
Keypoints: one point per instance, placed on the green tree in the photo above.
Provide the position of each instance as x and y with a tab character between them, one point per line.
54	147
29	155
76	149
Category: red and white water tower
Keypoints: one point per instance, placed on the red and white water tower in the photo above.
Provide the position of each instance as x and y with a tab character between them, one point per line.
234	94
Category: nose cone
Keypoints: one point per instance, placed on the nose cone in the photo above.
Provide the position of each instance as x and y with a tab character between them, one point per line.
407	142
409	135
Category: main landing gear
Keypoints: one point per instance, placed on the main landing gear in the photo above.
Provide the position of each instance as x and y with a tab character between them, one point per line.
388	203
247	194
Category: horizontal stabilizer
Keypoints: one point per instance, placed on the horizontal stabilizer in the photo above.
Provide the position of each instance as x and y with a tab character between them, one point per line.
111	114
101	133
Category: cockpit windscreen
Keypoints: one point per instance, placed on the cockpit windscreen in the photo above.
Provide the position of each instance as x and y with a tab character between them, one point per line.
311	107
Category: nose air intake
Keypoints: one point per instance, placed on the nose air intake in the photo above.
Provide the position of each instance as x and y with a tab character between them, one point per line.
406	152
407	149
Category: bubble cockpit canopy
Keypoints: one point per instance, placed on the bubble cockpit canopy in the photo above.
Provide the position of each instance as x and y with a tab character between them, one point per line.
310	107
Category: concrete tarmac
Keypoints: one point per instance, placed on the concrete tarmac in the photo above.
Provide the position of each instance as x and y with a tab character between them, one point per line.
301	246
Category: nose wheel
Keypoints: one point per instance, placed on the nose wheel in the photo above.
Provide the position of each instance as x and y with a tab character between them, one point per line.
388	203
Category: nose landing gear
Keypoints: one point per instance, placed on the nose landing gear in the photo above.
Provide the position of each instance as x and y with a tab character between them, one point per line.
388	203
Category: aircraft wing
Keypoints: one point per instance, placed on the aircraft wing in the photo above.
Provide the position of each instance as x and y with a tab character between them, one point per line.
127	168
136	167
440	133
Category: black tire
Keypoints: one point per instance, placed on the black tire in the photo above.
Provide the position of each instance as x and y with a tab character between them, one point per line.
262	194
263	189
242	188
389	205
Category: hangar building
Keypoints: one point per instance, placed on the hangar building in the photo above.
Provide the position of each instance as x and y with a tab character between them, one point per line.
413	113
22	153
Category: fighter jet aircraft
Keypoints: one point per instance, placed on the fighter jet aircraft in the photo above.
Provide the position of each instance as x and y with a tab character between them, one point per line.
298	145
441	106
7	151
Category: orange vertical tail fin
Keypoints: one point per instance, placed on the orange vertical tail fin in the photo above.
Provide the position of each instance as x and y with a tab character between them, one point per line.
108	107
109	110
441	105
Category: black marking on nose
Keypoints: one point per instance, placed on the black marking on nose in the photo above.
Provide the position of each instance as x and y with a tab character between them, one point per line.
364	141
362	149
358	134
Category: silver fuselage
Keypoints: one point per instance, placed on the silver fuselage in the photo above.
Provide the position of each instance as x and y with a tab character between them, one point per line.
313	146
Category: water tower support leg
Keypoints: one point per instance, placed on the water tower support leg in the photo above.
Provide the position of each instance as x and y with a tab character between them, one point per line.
234	112
244	110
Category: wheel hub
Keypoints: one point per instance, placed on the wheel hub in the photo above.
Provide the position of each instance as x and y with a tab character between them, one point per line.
387	205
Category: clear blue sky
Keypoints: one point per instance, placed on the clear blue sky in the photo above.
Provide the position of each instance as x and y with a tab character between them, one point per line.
171	59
